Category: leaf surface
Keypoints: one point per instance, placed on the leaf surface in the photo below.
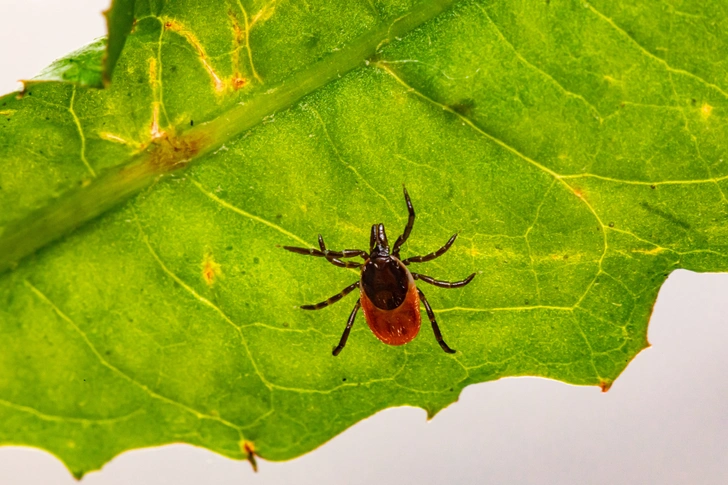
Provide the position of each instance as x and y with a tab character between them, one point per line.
578	148
93	65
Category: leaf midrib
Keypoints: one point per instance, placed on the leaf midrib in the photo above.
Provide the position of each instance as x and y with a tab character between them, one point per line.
174	152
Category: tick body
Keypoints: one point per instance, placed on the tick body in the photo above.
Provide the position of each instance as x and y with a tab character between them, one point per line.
388	295
389	300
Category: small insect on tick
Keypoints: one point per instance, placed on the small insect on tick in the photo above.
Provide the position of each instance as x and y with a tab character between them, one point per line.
387	292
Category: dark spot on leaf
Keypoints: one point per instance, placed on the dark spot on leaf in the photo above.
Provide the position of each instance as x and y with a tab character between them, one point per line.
344	379
278	216
451	389
192	122
566	256
229	248
611	224
286	324
526	302
464	107
312	41
256	260
498	247
693	101
653	187
108	352
173	69
665	215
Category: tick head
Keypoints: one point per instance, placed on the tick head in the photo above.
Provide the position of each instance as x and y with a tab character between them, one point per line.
378	244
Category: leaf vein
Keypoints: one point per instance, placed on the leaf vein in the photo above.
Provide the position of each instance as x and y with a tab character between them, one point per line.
69	419
250	216
81	135
116	370
350	167
650	54
534	67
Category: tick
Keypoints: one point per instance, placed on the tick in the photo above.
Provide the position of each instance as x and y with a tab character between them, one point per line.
388	295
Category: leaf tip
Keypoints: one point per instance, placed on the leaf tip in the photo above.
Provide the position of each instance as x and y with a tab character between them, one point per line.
248	449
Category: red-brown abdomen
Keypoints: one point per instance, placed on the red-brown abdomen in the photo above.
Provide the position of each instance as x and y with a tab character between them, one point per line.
398	325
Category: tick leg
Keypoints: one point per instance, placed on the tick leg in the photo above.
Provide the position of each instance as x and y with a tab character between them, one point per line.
435	328
333	299
344	264
305	251
431	256
443	284
345	335
408	228
346	253
321	254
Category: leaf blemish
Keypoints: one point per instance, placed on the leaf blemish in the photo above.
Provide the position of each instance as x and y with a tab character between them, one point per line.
211	270
240	41
174	26
155	132
705	110
239	82
650	252
113	138
174	152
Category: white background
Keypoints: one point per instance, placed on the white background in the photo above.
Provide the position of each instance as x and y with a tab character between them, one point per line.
665	420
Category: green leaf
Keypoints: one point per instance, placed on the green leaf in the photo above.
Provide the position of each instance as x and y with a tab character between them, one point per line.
83	67
119	21
578	148
93	65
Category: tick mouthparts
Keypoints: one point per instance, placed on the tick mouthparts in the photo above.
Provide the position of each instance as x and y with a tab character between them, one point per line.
382	235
